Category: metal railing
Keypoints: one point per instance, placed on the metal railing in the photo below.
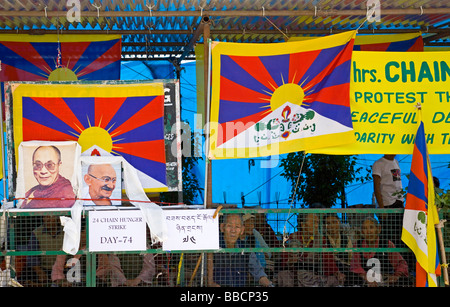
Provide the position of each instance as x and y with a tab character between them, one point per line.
290	255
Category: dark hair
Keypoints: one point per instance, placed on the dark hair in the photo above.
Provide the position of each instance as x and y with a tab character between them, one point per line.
301	216
226	216
436	182
330	215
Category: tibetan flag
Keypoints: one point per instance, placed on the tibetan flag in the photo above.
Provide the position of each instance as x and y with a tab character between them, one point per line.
59	57
269	99
421	216
382	42
389	42
124	119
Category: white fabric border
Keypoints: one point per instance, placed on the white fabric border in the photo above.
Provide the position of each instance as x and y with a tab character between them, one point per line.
20	182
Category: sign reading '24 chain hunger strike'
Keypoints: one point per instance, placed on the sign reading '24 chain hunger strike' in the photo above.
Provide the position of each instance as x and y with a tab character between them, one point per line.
121	230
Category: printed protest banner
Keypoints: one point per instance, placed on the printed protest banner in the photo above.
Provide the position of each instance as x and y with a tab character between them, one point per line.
386	90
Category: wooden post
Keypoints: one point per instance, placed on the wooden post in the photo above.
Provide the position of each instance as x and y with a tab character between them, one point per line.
208	170
442	249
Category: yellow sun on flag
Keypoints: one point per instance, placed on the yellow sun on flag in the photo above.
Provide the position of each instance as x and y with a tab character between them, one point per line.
95	136
62	74
288	92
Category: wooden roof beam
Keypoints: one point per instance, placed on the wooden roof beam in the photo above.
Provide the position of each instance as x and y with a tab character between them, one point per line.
198	32
217	31
227	13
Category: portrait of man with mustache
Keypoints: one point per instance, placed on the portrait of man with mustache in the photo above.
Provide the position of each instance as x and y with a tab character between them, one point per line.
101	181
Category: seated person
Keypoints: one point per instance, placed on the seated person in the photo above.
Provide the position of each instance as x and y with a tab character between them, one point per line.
232	269
126	270
307	235
47	237
337	264
255	240
378	268
70	270
303	268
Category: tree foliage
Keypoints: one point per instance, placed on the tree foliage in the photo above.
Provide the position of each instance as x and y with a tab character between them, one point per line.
323	177
191	185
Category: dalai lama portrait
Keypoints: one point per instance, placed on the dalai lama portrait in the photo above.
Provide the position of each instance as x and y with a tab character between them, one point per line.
52	190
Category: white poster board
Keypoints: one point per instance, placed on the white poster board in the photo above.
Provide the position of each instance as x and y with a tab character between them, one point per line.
191	230
118	230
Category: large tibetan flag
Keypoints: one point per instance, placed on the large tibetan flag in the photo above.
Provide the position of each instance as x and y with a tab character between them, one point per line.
269	99
121	119
59	57
389	42
421	214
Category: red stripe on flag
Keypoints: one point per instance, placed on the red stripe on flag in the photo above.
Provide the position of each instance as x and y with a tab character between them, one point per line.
71	53
414	203
58	107
27	51
342	57
110	56
229	130
299	63
258	71
152	111
418	45
34	131
421	276
232	91
145	150
328	94
106	108
375	47
11	73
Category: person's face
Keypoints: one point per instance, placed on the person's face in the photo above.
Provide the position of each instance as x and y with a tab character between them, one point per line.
311	224
232	229
370	230
46	166
52	223
249	225
293	257
390	157
332	225
101	180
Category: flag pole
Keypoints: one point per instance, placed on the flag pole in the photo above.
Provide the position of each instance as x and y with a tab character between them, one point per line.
3	165
438	227
444	263
208	267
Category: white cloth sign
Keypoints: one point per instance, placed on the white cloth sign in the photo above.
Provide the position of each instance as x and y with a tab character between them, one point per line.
121	230
191	230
